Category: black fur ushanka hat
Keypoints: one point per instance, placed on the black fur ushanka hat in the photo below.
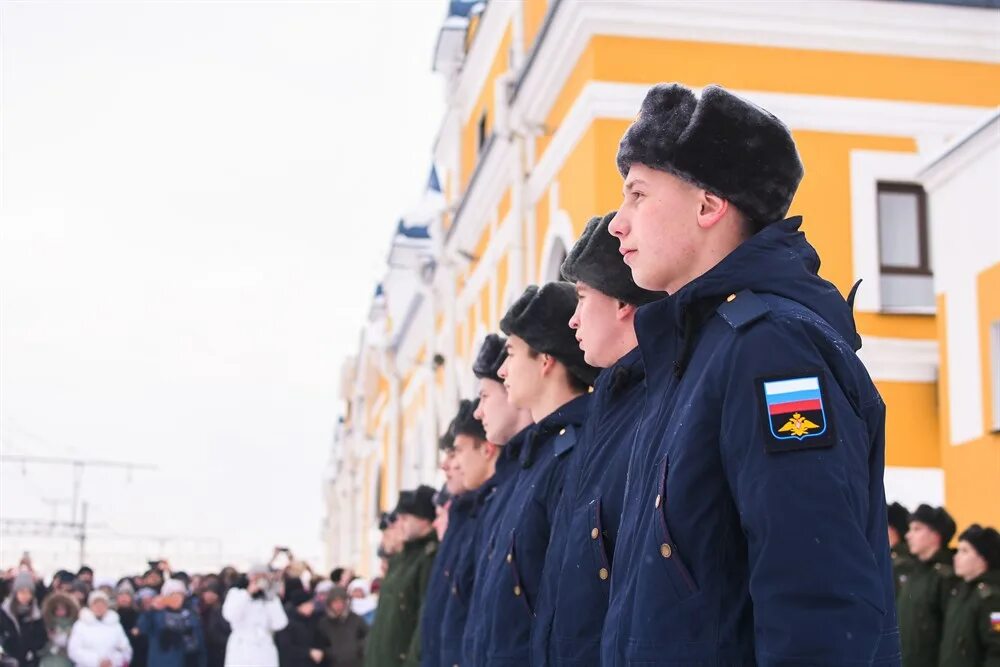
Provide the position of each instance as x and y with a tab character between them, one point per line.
596	261
721	143
541	317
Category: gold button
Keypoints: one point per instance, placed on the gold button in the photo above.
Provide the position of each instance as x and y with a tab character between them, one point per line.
510	558
603	574
665	550
656	503
454	590
517	591
594	533
562	432
731	297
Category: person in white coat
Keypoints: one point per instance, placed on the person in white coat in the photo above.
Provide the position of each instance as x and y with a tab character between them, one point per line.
255	614
97	638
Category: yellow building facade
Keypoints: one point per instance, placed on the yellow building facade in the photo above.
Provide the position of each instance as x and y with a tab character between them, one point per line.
539	93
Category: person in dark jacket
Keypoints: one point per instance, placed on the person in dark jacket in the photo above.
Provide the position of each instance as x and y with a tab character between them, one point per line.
971	631
447	502
902	559
545	373
473	463
22	629
175	634
215	628
507	426
924	592
395	636
754	525
576	582
297	645
340	633
128	615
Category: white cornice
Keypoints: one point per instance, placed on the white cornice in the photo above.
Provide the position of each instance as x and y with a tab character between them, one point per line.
860	26
961	151
928	123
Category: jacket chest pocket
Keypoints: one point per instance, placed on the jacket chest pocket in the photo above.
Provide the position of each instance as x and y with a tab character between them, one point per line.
663	544
517	584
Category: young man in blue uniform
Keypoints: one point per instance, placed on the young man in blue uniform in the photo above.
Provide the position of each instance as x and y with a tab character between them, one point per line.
507	426
475	463
463	427
576	582
545	373
754	526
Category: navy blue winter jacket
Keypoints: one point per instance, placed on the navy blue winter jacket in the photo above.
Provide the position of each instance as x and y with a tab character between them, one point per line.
574	595
754	524
509	579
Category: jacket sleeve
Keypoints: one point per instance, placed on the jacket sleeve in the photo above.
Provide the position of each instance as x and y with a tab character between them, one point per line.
123	649
276	618
989	634
804	503
78	652
236	603
423	577
199	633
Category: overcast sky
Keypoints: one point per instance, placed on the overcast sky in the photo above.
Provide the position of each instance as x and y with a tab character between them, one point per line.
197	200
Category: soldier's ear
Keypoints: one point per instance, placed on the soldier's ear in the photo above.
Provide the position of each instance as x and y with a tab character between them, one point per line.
625	311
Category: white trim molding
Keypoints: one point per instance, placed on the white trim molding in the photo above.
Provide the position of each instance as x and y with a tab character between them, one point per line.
930	124
560	230
900	359
858	26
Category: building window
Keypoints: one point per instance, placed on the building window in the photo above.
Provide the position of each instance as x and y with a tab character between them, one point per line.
904	248
994	362
553	268
481	133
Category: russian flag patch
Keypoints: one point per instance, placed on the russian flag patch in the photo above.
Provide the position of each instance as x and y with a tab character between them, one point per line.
795	412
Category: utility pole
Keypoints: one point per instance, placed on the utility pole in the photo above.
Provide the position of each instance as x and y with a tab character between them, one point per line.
79	466
78	528
83	536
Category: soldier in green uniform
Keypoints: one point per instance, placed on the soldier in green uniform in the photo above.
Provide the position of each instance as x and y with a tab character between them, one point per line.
971	635
394	638
923	592
902	559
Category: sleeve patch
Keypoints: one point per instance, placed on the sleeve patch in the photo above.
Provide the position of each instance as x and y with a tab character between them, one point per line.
795	414
995	621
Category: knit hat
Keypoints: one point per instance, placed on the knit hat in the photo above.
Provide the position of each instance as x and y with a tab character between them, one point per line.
719	142
986	542
596	261
24	581
171	586
98	596
937	519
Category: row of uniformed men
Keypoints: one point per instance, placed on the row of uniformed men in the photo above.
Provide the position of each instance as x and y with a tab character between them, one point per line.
718	497
948	601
